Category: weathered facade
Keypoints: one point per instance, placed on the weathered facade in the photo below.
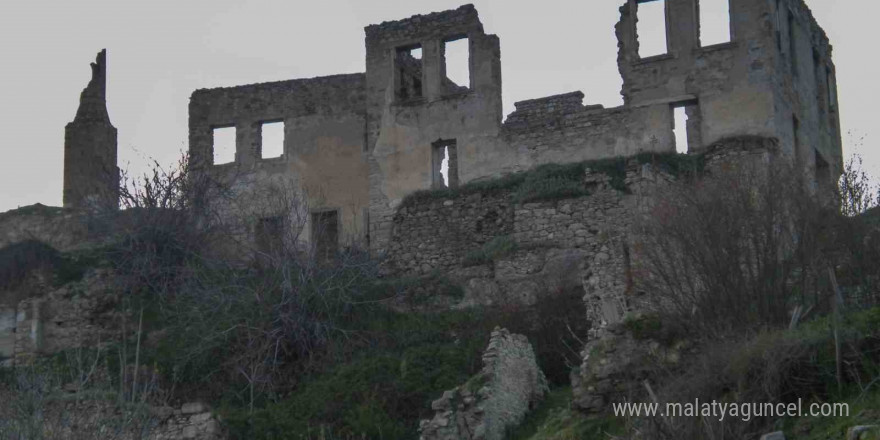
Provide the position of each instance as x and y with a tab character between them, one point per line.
91	179
358	144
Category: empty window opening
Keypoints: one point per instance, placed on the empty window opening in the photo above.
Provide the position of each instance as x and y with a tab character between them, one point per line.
714	22
680	130
792	45
408	66
456	65
832	89
796	141
224	145
325	234
271	139
651	28
269	235
779	25
366	219
445	164
686	127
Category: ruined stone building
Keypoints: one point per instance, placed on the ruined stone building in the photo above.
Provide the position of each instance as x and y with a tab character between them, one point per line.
359	143
90	174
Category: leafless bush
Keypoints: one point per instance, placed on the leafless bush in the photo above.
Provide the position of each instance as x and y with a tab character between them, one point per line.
857	192
729	257
734	250
71	397
771	367
246	304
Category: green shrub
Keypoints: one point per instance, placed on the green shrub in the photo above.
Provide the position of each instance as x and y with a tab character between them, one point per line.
557	181
549	189
487	187
651	326
383	391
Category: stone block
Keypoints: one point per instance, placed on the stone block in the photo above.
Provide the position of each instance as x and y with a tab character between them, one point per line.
193	408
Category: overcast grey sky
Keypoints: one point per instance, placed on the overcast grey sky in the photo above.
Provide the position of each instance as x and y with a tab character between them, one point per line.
159	51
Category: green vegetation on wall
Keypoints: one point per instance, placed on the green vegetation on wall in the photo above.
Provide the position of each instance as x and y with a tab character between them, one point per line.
557	181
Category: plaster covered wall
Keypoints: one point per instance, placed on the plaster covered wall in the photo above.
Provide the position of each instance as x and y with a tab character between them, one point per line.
323	142
401	132
767	74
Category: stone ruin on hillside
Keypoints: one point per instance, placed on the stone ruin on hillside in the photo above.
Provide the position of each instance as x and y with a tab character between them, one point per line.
360	144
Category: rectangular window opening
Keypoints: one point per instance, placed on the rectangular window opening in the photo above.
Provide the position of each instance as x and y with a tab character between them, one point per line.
271	139
714	22
686	127
408	68
456	65
444	164
681	144
224	145
832	89
779	25
651	28
792	45
366	219
269	235
325	234
796	141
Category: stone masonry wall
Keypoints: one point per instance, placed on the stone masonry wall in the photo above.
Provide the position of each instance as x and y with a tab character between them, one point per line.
560	129
80	314
193	420
60	228
437	234
493	401
576	243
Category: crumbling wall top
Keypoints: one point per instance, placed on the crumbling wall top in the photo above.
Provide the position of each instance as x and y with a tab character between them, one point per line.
819	37
345	80
322	95
530	112
436	24
93	100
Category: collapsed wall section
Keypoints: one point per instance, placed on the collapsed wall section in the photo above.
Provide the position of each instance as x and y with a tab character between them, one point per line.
494	401
806	93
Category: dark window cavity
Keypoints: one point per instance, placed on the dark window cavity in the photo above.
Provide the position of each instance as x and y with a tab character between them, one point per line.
269	235
325	234
408	72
